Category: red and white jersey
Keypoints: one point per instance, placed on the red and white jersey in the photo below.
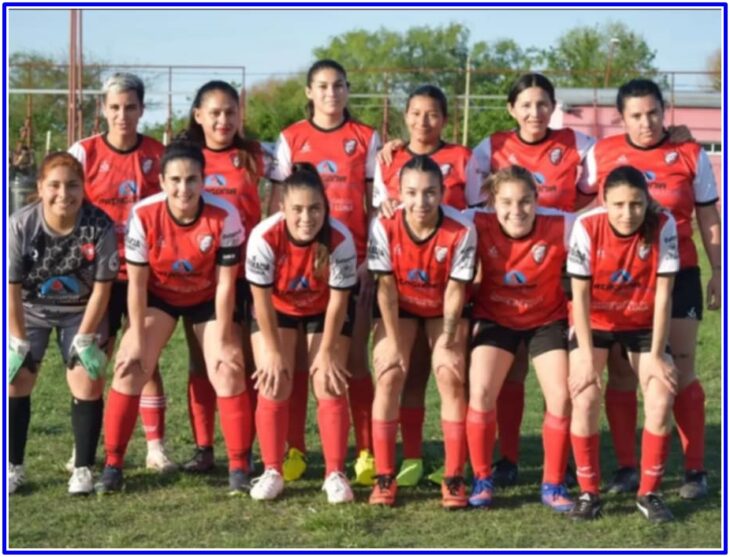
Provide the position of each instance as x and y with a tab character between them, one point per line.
182	258
452	159
274	260
115	180
556	163
623	269
345	159
422	268
520	287
679	178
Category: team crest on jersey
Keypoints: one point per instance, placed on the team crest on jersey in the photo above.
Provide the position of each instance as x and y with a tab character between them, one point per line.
205	242
622	159
642	250
88	251
671	157
440	252
538	252
236	160
512	158
104	166
493	251
555	155
306	148
147	165
350	146
114	262
445	169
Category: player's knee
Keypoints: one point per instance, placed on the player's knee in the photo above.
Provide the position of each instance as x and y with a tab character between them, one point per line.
391	379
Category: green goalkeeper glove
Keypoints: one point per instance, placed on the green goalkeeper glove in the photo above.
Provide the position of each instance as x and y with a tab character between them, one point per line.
17	351
91	356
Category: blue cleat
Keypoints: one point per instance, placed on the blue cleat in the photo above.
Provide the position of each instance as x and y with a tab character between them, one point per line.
481	492
557	498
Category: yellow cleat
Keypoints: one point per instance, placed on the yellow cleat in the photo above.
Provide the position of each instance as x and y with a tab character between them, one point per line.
365	468
294	466
411	472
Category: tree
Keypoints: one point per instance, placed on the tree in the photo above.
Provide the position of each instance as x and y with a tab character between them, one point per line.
273	105
714	66
586	56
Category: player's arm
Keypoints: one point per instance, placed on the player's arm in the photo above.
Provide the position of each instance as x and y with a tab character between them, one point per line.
225	297
454	298
708	221
388	305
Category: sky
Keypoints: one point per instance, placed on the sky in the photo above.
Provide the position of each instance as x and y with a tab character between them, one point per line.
271	42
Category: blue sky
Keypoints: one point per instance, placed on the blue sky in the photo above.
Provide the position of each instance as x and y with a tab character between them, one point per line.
271	41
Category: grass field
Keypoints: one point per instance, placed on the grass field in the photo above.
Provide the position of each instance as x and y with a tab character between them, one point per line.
181	511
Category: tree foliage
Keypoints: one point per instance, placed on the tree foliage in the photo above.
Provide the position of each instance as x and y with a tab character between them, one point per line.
714	65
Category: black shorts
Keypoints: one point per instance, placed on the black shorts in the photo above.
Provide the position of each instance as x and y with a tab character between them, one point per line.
637	341
687	294
198	313
312	324
117	306
244	301
552	336
566	284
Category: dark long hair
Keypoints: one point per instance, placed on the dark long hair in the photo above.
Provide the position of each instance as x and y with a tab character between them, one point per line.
432	92
634	178
638	88
319	65
531	80
181	149
425	164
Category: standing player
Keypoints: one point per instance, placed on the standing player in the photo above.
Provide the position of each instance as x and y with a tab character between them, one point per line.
301	264
233	166
425	117
121	167
63	259
623	258
522	251
423	257
680	179
183	248
343	152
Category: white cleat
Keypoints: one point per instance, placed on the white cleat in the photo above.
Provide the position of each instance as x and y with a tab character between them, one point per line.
81	482
268	486
16	477
337	488
158	460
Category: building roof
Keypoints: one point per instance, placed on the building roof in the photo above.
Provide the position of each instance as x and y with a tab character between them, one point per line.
607	97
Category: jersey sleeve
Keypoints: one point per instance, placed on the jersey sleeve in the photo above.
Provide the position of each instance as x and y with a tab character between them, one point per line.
379	249
588	180
462	266
79	153
568	223
583	144
260	260
15	251
282	163
579	254
136	250
380	191
476	171
232	237
371	161
343	263
668	262
704	185
107	262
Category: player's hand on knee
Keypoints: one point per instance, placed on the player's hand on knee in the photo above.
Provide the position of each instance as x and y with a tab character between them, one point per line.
92	358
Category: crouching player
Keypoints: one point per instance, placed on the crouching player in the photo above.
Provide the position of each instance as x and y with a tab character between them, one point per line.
183	248
301	264
522	251
423	257
63	259
623	258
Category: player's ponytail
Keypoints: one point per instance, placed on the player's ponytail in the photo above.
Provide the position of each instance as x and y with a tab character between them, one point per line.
634	178
425	164
319	65
512	173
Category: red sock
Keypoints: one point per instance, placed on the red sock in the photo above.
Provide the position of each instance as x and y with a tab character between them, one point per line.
586	451
201	409
152	413
689	415
236	428
654	452
481	433
298	411
621	411
454	448
510	407
361	404
384	435
411	431
272	421
556	444
120	417
333	417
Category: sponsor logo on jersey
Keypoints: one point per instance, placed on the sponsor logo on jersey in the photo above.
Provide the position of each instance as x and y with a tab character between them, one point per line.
555	155
147	165
350	145
417	275
205	242
104	166
649	175
215	181
440	252
671	157
114	262
182	266
538	252
514	277
299	283
58	286
256	266
621	276
445	169
34	255
88	251
578	256
127	188
622	159
327	167
643	250
539	178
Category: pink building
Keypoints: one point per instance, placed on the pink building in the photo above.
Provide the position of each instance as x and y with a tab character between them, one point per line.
593	111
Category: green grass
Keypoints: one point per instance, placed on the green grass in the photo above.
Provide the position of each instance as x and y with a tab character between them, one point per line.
183	511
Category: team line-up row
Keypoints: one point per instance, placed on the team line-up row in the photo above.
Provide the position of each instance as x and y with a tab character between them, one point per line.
294	298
